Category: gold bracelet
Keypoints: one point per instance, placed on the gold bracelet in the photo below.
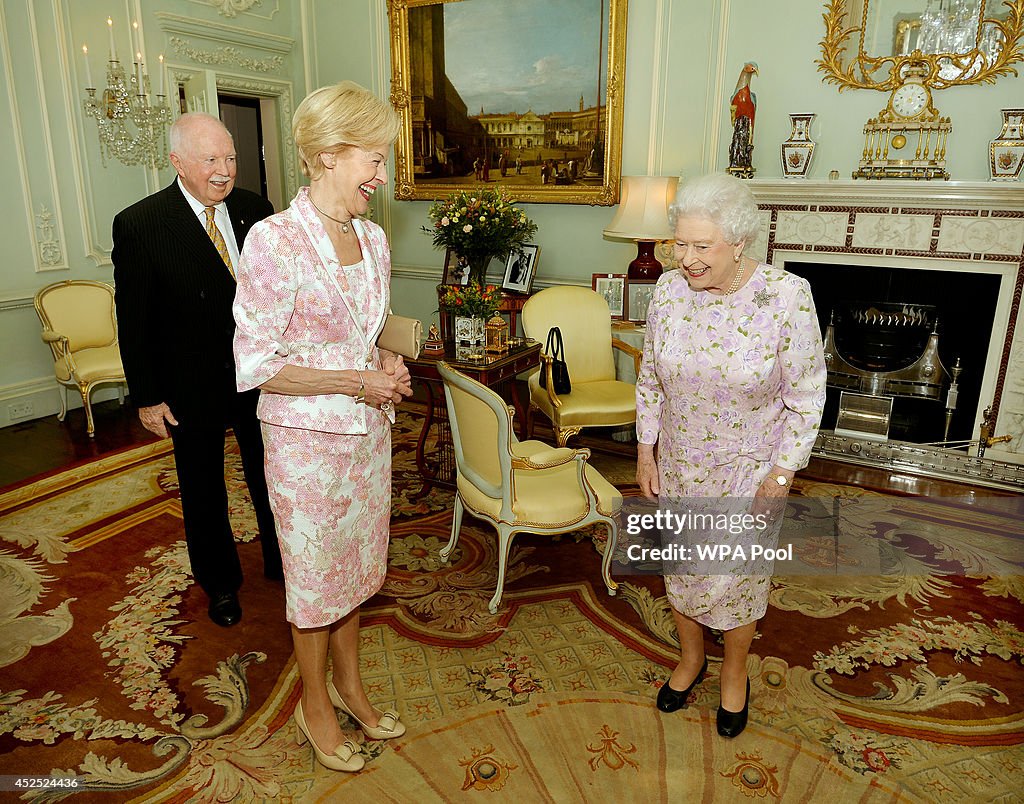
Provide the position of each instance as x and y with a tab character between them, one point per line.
361	393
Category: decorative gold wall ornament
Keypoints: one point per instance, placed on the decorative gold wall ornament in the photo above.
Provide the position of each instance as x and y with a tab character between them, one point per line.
910	120
861	71
455	135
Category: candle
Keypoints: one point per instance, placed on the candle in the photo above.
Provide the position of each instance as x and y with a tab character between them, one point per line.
110	30
140	39
88	72
160	76
135	36
138	70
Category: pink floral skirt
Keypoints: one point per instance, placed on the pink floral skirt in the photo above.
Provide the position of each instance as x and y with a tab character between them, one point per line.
331	497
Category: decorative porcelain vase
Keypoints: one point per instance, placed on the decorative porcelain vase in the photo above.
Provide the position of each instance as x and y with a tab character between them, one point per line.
798	150
1006	152
469	337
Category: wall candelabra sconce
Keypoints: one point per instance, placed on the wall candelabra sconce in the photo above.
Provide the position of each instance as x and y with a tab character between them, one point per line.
131	122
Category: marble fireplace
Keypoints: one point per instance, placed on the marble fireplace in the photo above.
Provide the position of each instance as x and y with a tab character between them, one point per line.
955	249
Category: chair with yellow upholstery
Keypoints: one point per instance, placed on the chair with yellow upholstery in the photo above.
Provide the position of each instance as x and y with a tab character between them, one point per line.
597	399
520	486
80	328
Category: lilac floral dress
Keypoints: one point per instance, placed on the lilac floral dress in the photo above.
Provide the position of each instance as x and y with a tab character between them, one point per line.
729	387
328	458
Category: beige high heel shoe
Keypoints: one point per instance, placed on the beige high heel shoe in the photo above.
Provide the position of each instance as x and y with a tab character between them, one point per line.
388	724
345	757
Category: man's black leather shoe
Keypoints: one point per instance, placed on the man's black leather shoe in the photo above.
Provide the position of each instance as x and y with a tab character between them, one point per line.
225	610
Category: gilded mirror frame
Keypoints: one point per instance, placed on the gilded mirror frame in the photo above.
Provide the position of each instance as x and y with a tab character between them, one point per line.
861	72
601	189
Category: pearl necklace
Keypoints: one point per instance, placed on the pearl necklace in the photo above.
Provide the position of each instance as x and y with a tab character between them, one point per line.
736	279
343	224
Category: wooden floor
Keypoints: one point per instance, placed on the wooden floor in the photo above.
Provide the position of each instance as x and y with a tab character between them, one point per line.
42	446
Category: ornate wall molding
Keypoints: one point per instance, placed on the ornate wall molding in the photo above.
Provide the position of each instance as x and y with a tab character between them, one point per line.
38	174
51	255
226	54
219	33
232	8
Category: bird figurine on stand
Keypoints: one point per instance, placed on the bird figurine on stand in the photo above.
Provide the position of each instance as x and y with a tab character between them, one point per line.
742	108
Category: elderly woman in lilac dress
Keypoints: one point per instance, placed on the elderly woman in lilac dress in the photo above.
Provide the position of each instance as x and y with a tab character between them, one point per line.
313	293
729	399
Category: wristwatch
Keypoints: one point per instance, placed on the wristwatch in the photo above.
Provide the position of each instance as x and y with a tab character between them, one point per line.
782	480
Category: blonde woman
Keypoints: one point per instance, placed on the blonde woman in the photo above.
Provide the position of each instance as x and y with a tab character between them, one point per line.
313	293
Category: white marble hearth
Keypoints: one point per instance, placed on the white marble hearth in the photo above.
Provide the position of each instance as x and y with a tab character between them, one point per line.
959	227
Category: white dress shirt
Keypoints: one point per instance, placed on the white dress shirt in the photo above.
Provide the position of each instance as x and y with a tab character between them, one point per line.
220	217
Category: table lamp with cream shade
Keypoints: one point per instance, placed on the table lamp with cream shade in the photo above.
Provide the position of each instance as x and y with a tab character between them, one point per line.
643	217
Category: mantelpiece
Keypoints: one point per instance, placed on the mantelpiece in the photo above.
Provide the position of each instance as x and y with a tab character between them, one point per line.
957	227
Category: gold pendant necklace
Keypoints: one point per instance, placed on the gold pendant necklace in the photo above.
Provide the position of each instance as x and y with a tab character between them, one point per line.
343	224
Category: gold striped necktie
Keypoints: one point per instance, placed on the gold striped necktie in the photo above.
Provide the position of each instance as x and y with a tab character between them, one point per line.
218	238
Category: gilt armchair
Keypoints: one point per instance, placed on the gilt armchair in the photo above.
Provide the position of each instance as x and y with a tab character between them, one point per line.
520	486
80	327
597	399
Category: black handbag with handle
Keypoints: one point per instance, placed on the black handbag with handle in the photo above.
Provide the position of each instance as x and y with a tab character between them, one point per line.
559	371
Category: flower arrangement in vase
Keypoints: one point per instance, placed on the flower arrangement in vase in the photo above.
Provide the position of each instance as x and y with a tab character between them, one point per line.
471	305
479	224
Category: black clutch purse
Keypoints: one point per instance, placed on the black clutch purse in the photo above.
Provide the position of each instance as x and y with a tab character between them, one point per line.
555	349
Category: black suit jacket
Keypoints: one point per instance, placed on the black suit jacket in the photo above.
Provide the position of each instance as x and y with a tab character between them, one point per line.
173	296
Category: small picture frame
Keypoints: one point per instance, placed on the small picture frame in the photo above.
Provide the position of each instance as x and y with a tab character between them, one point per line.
613	288
638	297
456	269
520	269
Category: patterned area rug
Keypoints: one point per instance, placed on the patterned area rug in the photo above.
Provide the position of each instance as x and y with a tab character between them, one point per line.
902	687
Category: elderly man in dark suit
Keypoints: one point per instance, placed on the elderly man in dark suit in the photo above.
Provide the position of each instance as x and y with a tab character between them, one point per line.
174	256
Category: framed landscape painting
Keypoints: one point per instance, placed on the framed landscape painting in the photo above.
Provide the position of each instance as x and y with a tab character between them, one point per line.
525	95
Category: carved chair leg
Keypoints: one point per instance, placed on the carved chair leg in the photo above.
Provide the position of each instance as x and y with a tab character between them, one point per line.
90	426
609	554
504	547
63	403
446	551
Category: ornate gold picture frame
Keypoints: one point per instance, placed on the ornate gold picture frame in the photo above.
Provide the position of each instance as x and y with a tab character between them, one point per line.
526	96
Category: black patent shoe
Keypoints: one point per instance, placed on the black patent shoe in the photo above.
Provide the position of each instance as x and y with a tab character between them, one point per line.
730	724
225	610
669	700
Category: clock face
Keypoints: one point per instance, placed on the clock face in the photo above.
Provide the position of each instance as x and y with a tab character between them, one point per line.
909	100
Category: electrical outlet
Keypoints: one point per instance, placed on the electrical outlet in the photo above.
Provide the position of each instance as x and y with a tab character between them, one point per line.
20	410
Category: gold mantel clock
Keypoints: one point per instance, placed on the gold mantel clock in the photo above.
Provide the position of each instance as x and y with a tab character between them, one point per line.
910	55
908	138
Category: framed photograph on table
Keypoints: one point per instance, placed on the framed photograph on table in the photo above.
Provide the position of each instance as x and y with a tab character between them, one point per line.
613	288
638	297
456	270
520	269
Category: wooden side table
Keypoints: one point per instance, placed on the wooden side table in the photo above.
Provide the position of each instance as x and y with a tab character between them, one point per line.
495	371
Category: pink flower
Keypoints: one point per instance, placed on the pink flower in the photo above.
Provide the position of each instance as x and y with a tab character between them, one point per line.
467	228
445	221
